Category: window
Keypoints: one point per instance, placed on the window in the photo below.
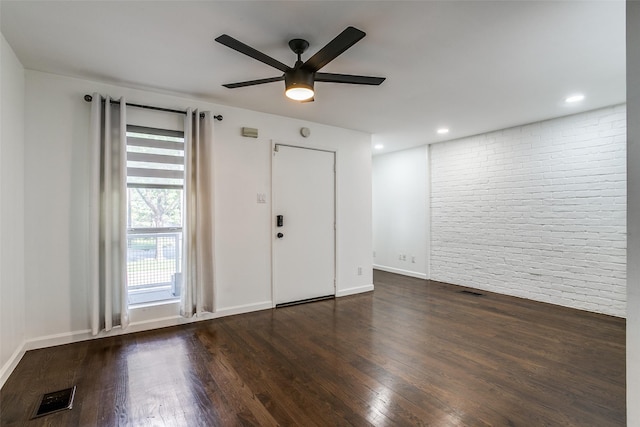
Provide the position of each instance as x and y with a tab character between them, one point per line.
155	185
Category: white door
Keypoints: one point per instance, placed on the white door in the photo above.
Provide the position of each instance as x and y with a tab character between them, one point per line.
304	244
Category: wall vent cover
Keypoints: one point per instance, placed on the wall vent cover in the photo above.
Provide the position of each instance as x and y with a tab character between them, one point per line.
56	401
250	132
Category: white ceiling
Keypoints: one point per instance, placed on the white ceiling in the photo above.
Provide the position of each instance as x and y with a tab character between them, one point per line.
471	66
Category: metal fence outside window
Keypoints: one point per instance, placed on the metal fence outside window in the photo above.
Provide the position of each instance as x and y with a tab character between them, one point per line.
153	258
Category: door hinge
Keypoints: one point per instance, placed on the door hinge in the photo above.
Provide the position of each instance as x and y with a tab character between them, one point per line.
276	148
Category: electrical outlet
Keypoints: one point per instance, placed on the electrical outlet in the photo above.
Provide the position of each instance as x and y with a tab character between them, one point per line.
413	259
359	271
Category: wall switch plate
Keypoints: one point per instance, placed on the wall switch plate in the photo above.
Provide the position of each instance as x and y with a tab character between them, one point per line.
261	198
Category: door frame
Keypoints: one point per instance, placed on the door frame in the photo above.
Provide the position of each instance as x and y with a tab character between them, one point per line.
273	214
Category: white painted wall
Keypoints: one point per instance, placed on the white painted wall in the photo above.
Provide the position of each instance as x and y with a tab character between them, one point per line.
56	201
535	211
12	282
633	213
400	212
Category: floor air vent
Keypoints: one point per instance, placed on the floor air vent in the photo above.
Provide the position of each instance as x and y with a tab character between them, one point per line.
56	401
475	294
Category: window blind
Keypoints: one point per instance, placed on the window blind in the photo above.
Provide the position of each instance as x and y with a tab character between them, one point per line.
155	158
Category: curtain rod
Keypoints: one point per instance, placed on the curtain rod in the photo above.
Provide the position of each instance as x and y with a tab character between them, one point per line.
89	98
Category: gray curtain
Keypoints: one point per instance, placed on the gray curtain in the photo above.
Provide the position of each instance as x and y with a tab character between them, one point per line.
108	263
198	251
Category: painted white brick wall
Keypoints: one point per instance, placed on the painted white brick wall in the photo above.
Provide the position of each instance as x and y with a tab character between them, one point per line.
535	211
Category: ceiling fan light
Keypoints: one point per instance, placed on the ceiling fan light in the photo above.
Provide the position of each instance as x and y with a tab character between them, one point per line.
299	93
298	84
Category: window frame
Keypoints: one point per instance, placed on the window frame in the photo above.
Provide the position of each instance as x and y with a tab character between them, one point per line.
170	174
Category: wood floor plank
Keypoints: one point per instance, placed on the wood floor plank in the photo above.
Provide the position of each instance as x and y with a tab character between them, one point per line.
413	352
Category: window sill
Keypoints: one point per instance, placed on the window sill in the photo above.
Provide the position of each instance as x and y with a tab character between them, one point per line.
154	311
154	303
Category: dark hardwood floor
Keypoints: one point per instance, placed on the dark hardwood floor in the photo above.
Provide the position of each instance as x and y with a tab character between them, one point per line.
412	352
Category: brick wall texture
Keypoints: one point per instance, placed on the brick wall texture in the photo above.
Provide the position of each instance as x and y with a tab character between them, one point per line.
535	211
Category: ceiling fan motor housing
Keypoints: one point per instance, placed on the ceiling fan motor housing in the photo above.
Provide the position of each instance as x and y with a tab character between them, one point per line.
299	78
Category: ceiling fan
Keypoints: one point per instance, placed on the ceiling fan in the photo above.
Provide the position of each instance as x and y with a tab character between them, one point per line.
299	79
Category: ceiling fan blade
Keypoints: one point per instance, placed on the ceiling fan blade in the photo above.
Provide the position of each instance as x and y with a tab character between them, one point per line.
335	47
253	82
249	51
348	78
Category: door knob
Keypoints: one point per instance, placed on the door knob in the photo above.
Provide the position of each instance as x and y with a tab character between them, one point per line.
279	235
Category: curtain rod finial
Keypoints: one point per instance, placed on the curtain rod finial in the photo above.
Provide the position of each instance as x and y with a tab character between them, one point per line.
88	98
215	117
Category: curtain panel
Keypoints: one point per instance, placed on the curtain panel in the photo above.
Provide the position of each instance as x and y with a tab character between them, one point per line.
198	251
108	241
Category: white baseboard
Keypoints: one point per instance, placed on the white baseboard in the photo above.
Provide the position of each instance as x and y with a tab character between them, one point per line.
140	326
11	364
58	339
356	290
246	308
409	273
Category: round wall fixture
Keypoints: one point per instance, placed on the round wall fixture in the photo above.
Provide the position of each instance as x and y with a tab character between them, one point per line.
305	132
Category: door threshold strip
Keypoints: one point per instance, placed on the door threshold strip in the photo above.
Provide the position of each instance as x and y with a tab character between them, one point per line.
304	301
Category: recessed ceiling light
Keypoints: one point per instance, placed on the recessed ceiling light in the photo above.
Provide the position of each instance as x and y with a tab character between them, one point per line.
378	146
574	98
442	131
